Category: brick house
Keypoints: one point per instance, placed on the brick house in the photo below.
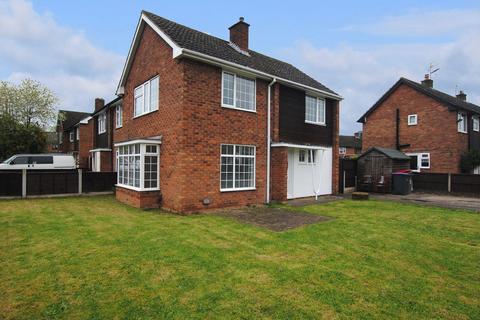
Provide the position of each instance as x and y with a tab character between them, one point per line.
430	126
209	123
104	121
74	136
350	146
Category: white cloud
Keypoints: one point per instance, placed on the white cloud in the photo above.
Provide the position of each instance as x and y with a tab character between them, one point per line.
424	23
35	45
361	74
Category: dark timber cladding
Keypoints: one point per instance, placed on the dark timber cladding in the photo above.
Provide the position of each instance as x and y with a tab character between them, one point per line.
292	119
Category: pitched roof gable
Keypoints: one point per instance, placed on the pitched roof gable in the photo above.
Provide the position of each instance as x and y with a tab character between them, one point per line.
186	41
440	96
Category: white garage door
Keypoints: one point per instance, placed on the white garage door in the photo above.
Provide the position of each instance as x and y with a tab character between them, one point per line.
308	177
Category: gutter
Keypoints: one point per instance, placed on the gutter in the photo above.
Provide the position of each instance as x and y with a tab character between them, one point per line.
269	139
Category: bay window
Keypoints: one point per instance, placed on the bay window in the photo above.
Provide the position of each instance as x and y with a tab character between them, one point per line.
238	92
237	170
138	166
314	110
146	97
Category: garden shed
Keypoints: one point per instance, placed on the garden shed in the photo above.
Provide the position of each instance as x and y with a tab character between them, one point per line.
375	168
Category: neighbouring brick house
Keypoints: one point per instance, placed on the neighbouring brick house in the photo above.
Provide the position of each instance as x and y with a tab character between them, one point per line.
104	121
197	132
74	136
430	126
350	146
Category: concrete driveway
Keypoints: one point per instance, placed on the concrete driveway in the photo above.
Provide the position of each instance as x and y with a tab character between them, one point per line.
437	200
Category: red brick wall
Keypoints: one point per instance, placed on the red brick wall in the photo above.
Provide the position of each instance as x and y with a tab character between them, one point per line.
85	145
143	200
335	145
436	131
208	126
106	161
154	57
279	173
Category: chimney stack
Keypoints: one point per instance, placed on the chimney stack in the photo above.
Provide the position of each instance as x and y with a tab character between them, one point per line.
427	82
462	96
239	34
99	103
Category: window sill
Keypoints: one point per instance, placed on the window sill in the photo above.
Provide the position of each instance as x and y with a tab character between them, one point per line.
464	132
102	132
135	188
238	189
316	123
120	127
239	109
144	114
412	124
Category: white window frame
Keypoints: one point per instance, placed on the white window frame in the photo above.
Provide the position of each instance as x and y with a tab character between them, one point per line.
234	156
319	122
118	116
302	153
146	107
342	150
102	123
77	133
414	122
419	156
60	138
72	136
142	154
308	156
476	123
224	105
462	123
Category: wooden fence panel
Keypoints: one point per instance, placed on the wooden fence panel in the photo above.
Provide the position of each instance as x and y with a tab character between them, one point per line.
466	183
11	183
430	182
98	181
40	182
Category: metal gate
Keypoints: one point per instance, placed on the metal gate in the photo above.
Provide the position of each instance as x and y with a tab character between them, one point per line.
348	174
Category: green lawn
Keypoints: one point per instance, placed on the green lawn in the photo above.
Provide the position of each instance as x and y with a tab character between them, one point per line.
93	258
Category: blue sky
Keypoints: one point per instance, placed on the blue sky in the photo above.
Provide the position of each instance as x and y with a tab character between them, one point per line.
358	49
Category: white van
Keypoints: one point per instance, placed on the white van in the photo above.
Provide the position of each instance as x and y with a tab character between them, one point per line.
39	161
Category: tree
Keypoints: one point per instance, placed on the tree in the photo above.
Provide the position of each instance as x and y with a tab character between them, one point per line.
16	137
470	160
29	103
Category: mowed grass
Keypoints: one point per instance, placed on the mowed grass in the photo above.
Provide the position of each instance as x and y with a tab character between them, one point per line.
94	258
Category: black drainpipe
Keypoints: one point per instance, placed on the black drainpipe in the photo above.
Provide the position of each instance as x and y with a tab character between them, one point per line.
397	128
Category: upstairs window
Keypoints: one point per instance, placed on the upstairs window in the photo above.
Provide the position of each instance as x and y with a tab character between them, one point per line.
77	132
238	92
118	116
102	123
412	119
314	110
462	122
476	123
146	97
72	136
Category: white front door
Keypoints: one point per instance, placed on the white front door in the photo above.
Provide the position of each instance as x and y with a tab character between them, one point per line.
309	172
